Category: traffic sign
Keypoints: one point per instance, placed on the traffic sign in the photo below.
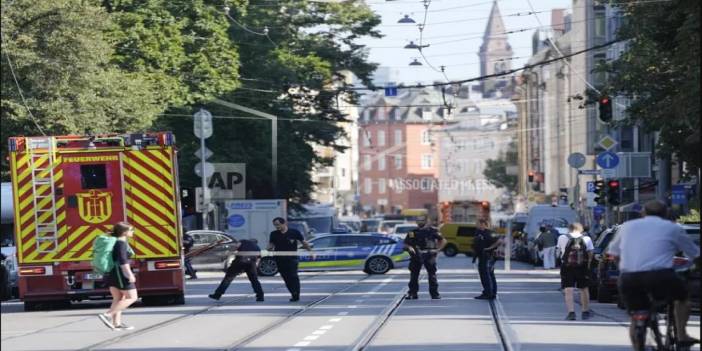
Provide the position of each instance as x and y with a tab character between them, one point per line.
678	195
208	153
590	187
589	171
209	169
607	142
202	126
391	91
576	160
607	160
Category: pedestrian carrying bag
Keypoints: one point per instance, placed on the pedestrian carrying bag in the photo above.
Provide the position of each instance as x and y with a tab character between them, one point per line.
102	253
575	252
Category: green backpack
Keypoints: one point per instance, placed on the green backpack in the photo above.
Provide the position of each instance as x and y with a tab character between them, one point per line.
102	253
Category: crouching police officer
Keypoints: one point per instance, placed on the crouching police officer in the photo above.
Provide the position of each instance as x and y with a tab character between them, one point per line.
247	259
423	244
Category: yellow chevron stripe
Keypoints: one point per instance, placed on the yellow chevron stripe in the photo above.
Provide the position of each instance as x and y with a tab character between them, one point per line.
153	231
21	160
30	214
167	160
87	240
136	179
145	198
154	177
153	164
146	252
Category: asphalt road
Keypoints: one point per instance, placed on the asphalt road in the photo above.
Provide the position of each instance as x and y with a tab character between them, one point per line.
338	311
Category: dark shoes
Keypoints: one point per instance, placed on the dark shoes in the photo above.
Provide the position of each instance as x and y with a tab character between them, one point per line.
214	297
570	316
484	297
259	298
411	296
436	297
587	314
295	298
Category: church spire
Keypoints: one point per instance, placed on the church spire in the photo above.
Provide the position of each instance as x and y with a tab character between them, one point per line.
495	27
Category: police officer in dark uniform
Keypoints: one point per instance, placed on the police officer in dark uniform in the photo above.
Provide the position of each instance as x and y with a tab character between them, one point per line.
188	243
423	244
484	245
247	259
284	240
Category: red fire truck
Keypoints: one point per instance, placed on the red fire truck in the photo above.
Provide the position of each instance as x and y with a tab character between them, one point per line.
69	189
464	211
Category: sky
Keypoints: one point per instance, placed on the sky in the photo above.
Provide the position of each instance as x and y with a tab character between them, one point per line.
454	45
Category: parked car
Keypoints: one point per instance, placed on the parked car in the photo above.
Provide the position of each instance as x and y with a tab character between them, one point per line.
369	225
219	257
353	222
459	238
402	229
374	253
386	226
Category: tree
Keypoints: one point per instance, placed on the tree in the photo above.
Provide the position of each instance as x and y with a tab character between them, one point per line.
57	77
660	73
496	170
290	55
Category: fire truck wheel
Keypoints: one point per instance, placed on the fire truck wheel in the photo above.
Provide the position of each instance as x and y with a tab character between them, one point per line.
31	306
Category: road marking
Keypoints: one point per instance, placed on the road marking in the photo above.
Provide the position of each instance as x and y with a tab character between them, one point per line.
352	306
359	300
302	344
293	350
311	337
319	332
334	320
327	327
344	313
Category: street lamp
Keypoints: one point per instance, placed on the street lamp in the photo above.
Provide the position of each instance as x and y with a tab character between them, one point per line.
412	45
415	63
406	19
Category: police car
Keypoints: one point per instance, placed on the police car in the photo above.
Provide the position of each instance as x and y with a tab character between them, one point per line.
374	253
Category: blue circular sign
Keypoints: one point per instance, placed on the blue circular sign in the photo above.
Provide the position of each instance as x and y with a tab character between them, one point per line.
236	221
607	160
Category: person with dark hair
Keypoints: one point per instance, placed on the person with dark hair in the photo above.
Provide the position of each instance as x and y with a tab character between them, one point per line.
423	244
248	256
646	248
284	242
121	279
188	243
484	246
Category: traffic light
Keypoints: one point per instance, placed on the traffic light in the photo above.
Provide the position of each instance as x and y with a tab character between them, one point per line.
600	192
605	105
613	192
187	200
531	176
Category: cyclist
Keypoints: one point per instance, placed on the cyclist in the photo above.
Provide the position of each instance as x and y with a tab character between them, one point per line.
646	247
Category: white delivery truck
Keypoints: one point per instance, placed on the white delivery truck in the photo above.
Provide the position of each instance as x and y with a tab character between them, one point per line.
321	218
253	219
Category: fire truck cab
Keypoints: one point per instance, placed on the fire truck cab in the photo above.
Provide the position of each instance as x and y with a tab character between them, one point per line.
69	189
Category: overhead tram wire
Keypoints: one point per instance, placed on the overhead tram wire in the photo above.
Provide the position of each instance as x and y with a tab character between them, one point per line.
264	33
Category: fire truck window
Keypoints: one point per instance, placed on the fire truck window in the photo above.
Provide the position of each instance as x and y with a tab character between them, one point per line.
93	176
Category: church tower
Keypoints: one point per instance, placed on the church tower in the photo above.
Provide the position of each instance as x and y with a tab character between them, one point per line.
495	54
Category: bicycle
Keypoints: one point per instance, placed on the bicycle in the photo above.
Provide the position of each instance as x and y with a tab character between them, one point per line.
649	319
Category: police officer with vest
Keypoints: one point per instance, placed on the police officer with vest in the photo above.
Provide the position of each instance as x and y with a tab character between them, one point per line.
423	245
247	259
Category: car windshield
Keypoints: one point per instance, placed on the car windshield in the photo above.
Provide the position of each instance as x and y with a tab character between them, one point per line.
353	226
403	229
320	224
369	225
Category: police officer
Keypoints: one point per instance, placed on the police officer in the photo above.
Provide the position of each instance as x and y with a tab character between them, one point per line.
284	242
247	259
423	244
484	245
188	243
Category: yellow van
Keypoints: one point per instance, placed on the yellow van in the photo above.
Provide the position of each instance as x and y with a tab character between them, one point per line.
459	238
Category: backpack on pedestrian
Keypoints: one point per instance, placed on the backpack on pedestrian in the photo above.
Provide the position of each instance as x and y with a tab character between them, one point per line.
103	246
575	255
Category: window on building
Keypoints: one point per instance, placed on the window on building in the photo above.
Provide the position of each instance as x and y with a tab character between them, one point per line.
381	114
426	161
599	77
600	25
367	162
343	172
398	136
367	186
426	137
426	114
381	138
381	186
398	161
381	163
397	114
366	115
365	135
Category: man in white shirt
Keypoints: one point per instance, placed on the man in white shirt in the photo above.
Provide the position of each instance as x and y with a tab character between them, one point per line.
646	248
576	255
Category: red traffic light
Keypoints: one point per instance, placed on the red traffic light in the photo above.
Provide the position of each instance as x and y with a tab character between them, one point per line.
485	204
613	184
604	100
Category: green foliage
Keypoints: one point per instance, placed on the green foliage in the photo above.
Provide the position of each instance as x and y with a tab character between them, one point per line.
660	72
692	217
60	54
496	170
287	74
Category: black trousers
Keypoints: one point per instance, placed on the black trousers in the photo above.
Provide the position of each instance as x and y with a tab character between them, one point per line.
189	268
486	269
237	267
287	267
428	260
